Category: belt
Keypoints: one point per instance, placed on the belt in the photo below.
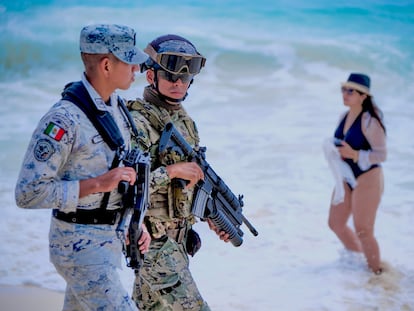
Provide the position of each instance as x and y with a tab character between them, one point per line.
178	234
89	217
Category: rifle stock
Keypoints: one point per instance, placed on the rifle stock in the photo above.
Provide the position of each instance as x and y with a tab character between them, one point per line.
213	199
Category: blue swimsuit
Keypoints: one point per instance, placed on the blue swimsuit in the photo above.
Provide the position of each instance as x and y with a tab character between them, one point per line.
356	139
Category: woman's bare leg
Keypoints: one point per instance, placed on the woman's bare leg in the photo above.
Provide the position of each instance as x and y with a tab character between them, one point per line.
338	219
365	201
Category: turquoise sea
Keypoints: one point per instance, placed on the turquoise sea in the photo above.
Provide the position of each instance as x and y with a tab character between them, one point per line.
267	98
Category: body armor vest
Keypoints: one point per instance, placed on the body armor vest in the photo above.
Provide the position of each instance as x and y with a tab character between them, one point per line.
173	205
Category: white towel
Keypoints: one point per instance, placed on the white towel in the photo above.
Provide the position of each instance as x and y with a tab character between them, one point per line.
340	170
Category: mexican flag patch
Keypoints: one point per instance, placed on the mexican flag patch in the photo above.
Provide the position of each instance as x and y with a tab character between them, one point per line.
54	131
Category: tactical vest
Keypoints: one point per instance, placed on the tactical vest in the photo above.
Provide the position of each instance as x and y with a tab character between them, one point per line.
178	201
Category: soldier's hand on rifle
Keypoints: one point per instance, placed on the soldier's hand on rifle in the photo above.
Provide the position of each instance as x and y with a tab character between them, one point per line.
144	240
189	171
222	234
108	181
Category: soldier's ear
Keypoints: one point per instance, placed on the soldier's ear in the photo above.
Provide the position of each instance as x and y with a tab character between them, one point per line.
150	74
105	65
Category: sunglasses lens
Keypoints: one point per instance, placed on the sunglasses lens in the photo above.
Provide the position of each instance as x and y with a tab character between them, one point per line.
347	91
185	77
176	63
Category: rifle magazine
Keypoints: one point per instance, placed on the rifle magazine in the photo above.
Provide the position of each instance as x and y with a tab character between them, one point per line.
202	195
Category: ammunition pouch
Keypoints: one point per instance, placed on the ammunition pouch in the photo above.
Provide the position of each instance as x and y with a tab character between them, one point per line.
174	229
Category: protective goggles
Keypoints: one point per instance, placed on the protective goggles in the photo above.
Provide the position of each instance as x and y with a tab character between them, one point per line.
176	63
184	77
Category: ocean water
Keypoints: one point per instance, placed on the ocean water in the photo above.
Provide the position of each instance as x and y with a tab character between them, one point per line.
267	98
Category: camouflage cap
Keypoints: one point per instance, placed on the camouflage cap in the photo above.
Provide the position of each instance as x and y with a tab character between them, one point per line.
116	39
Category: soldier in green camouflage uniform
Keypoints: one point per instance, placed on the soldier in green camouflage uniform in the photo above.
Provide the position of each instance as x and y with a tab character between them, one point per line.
164	281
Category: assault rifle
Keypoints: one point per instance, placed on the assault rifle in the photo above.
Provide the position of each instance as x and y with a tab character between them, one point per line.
135	200
212	197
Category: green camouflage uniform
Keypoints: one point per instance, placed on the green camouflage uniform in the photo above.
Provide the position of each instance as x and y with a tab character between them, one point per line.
164	281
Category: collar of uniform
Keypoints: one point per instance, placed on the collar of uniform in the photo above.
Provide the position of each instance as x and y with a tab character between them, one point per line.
97	99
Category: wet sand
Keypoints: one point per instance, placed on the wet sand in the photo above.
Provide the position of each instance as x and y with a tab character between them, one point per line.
21	298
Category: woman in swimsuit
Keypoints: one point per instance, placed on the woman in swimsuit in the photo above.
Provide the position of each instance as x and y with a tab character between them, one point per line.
360	139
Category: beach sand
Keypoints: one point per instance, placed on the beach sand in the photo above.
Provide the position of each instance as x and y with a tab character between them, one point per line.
21	298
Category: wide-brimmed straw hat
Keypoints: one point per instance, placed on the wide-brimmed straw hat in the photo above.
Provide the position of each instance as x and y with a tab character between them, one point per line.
358	81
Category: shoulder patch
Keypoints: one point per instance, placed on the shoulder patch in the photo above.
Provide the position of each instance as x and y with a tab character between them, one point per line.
54	131
43	150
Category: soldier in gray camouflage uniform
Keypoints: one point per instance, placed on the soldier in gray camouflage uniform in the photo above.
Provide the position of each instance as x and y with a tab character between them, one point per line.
67	168
164	281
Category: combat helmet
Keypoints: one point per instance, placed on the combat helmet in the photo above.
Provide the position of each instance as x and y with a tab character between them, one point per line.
176	57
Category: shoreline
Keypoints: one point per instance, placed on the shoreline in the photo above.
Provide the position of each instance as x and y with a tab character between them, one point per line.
27	297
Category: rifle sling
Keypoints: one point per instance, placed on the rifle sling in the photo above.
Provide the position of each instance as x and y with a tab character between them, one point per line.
76	93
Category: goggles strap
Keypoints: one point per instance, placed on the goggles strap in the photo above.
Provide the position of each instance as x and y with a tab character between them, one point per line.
151	52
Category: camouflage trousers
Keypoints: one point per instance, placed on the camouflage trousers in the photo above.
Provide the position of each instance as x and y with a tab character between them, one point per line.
87	257
164	281
95	288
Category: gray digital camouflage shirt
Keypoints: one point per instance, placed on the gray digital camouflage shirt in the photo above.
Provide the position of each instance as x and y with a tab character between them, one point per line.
65	148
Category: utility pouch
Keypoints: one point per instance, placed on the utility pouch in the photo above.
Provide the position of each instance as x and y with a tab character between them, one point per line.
193	243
